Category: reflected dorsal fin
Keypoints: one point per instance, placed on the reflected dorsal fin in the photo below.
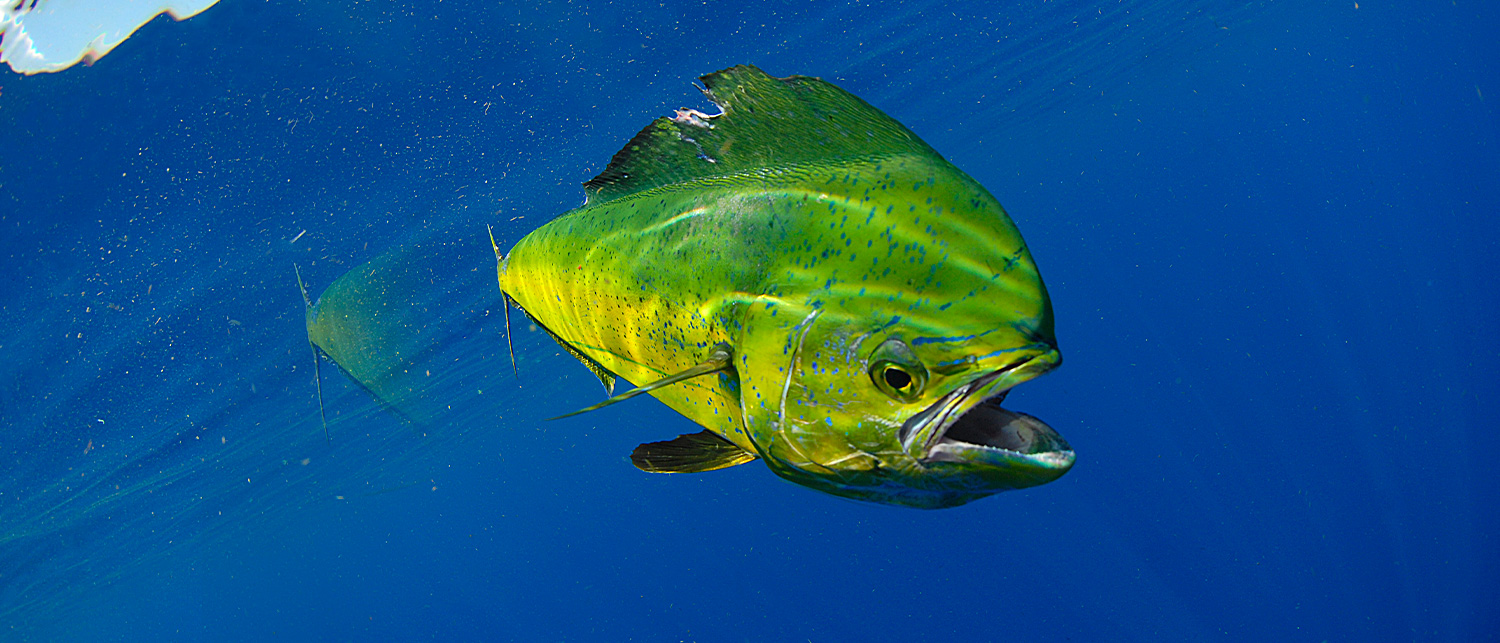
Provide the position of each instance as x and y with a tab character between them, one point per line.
310	314
765	123
692	453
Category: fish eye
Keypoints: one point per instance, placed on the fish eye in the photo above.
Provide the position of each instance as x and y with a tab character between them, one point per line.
896	378
896	371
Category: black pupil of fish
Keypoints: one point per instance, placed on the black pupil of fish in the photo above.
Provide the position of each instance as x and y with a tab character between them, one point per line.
897	378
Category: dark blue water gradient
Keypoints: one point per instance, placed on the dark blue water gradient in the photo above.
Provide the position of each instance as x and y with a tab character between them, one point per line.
1268	230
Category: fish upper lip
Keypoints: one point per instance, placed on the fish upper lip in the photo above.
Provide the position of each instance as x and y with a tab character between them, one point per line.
925	437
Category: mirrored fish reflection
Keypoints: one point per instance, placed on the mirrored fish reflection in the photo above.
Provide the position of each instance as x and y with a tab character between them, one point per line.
383	323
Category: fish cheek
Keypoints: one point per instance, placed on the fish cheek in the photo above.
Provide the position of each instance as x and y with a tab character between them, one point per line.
814	416
762	356
782	415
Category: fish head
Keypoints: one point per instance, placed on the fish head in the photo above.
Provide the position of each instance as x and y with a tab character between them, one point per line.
882	416
888	388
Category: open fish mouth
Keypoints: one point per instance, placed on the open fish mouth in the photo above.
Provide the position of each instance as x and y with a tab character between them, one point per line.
969	425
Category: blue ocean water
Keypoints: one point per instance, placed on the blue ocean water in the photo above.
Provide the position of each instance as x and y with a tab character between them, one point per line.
1269	230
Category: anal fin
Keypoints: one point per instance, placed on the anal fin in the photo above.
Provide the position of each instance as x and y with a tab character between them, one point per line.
692	453
606	377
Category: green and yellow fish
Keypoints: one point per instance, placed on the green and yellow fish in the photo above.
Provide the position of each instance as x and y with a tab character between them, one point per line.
814	285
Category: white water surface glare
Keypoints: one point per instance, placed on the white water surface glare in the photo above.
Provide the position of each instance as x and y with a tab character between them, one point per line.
40	36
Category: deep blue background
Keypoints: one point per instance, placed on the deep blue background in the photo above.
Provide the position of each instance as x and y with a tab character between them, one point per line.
1269	229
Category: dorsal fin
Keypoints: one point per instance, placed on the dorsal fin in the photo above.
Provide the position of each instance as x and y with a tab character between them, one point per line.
692	453
765	122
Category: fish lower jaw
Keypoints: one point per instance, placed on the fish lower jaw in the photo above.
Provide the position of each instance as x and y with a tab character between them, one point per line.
960	452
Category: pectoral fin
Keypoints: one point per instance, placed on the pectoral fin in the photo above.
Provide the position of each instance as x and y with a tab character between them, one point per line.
717	361
701	451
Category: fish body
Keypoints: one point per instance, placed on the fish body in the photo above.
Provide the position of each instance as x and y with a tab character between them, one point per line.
871	302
